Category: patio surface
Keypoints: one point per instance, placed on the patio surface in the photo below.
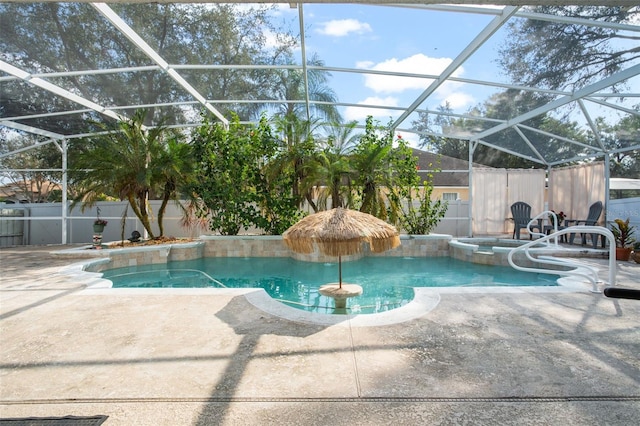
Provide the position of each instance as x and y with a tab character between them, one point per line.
200	358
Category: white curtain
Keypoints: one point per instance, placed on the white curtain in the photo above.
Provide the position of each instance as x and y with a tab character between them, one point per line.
495	190
527	185
489	206
573	189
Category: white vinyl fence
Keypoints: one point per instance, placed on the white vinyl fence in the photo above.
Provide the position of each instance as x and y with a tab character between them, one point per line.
623	209
41	224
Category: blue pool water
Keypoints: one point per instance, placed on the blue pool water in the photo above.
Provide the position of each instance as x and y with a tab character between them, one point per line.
387	282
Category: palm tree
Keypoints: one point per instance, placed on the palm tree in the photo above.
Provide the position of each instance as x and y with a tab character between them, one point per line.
297	124
297	149
383	172
330	174
289	86
172	170
128	162
340	137
374	180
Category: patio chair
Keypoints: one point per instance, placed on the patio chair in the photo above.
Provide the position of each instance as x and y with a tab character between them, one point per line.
595	210
521	213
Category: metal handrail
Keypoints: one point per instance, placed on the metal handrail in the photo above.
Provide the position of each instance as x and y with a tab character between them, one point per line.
538	217
169	271
590	273
209	277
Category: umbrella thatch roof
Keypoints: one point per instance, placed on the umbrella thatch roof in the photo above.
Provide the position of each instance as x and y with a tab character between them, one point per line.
341	232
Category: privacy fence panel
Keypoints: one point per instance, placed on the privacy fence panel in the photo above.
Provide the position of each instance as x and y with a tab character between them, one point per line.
573	189
489	201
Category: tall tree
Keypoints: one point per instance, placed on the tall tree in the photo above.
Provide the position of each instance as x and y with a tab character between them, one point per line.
325	172
289	85
297	126
52	37
497	108
559	55
29	169
624	164
431	125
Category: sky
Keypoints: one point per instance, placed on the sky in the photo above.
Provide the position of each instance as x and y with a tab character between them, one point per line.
400	39
386	38
421	41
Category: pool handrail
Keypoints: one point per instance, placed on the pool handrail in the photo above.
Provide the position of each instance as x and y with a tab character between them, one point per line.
169	271
580	269
209	277
538	218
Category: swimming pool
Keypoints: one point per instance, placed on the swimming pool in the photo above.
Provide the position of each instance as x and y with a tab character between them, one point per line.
388	282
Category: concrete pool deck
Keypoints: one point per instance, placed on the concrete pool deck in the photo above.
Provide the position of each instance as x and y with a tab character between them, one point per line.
192	358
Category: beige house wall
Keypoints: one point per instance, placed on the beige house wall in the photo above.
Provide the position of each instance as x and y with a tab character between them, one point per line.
463	192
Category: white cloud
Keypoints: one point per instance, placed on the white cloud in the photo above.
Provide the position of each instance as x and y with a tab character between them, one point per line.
365	64
383	114
458	100
343	27
416	64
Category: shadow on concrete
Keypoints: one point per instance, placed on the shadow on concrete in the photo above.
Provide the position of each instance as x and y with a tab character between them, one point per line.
40	302
251	323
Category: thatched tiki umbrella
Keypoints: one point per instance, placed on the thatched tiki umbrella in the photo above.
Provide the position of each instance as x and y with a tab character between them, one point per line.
339	232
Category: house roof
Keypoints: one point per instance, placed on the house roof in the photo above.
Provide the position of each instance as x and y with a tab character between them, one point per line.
454	171
28	190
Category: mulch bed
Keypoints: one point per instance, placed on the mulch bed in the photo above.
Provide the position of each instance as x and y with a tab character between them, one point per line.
152	242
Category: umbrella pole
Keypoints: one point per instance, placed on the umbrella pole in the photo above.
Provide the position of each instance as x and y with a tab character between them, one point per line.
340	270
